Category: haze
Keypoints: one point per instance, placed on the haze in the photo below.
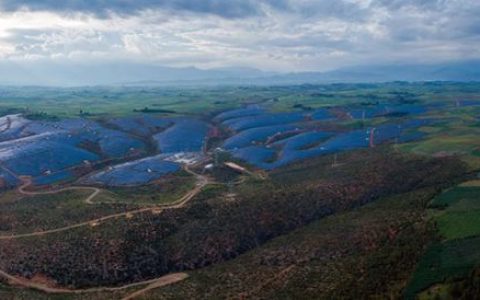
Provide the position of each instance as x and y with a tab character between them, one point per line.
49	41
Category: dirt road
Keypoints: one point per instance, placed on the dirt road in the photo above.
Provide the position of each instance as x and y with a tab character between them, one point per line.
27	181
202	181
163	281
151	284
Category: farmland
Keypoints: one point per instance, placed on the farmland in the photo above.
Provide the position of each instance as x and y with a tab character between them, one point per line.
315	191
456	213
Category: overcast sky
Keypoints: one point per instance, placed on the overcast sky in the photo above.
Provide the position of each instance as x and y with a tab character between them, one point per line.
279	35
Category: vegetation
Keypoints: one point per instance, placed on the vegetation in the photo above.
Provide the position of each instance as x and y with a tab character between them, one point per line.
163	191
44	212
365	253
449	260
456	213
114	101
147	110
398	220
149	245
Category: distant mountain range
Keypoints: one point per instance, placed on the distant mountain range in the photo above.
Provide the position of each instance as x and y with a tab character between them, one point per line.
48	74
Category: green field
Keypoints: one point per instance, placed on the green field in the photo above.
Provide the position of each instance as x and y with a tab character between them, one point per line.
457	225
120	100
459	216
456	213
450	260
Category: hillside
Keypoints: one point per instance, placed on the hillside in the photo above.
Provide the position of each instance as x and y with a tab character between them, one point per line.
305	192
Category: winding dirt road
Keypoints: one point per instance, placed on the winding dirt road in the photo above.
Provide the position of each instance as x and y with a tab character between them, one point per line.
151	284
162	281
202	181
27	181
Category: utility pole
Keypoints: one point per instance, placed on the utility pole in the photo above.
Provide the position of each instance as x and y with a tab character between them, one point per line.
215	154
334	164
372	137
204	146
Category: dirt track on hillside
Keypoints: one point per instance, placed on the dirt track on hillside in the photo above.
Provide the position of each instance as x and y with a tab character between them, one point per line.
28	182
151	284
202	181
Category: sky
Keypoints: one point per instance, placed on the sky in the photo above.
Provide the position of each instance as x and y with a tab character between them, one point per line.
272	35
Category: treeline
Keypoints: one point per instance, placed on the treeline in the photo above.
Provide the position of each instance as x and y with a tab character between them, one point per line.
212	230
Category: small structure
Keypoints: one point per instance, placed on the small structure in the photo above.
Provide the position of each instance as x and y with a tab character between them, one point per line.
208	168
187	158
217	152
236	167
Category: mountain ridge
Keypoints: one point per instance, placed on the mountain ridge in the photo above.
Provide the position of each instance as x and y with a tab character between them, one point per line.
43	74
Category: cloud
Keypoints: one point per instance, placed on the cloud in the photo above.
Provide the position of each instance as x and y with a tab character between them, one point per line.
285	35
102	8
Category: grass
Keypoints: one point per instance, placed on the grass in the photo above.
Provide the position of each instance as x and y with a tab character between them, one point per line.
449	260
118	101
458	225
448	143
456	213
436	292
453	195
111	101
454	133
164	191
